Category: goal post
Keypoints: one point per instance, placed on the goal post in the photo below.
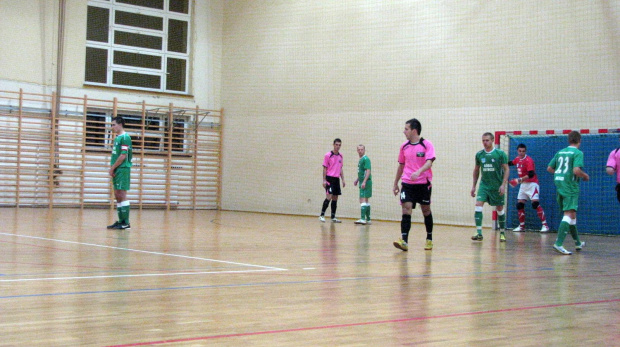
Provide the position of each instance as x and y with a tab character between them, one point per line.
599	210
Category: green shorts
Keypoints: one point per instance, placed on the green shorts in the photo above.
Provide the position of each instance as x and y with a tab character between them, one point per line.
568	202
366	192
490	196
121	179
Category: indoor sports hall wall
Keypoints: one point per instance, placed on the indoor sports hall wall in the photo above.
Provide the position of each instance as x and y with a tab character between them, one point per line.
47	110
298	74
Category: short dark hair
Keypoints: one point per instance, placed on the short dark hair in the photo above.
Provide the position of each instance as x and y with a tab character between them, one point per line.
574	137
522	145
415	124
489	134
337	140
119	120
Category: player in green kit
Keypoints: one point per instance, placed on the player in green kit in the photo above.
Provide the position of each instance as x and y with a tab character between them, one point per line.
566	169
493	162
364	178
120	169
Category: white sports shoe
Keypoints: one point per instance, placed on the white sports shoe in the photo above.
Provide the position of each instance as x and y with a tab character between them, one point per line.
561	250
368	222
580	247
360	221
336	220
519	228
544	229
322	219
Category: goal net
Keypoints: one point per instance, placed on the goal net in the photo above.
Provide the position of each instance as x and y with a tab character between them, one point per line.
599	210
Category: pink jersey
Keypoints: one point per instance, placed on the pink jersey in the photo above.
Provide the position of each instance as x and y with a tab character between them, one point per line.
414	156
524	166
333	163
614	162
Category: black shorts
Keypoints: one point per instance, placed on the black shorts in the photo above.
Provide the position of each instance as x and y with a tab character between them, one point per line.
333	188
618	191
416	193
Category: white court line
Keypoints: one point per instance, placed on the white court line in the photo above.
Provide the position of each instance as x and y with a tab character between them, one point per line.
264	268
139	275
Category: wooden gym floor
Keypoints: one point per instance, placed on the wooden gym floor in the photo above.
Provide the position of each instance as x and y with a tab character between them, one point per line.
198	278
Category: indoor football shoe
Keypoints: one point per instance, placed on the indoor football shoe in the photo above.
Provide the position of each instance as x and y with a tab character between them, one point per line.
360	221
122	226
368	222
402	245
322	219
477	237
544	229
502	237
580	247
519	228
114	226
336	220
429	245
561	250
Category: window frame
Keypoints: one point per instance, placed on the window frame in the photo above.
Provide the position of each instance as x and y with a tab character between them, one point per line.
99	134
164	54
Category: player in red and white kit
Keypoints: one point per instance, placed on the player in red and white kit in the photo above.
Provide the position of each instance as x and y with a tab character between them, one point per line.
529	187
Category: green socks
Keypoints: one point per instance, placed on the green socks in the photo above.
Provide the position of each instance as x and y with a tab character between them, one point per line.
122	208
365	211
562	231
478	218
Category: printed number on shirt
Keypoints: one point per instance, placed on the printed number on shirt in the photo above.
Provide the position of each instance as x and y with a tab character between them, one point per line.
402	195
562	161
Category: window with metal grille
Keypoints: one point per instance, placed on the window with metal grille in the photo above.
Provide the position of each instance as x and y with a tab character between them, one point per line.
138	44
150	134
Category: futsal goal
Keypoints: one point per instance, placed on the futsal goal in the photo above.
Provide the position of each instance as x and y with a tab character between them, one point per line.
599	211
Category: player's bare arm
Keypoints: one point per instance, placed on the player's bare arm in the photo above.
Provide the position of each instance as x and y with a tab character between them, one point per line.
476	175
581	174
610	170
366	175
399	173
119	161
324	177
425	167
502	188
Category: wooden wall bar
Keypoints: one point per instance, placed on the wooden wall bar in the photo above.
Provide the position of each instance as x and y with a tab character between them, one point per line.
62	160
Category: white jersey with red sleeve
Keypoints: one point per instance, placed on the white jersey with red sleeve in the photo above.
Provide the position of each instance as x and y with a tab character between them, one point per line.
524	166
333	163
414	156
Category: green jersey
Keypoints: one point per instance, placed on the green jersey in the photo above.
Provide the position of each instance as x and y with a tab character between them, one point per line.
491	168
362	166
122	145
563	163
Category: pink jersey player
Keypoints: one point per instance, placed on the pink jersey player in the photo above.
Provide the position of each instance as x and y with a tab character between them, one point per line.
414	156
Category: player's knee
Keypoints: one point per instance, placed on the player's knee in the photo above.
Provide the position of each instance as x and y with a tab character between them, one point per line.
520	206
535	204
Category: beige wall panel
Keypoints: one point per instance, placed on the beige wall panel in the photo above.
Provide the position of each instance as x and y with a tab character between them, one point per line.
297	74
29	41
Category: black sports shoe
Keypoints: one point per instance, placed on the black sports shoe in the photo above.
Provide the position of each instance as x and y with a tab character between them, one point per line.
124	226
114	226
